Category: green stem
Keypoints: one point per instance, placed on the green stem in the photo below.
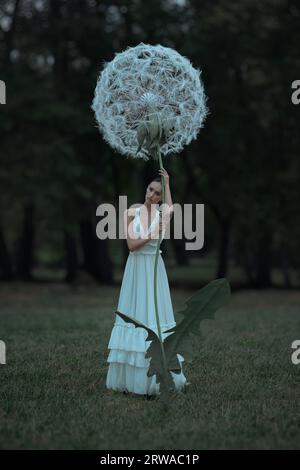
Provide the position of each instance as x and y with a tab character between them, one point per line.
165	366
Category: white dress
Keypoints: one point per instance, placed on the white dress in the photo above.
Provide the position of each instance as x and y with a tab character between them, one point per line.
128	366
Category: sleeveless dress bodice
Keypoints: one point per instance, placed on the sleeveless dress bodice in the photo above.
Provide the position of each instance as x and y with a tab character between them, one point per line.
150	247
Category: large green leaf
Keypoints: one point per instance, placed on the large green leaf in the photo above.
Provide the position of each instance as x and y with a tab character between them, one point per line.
201	306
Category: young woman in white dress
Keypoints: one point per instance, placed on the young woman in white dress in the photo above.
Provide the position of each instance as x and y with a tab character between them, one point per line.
128	366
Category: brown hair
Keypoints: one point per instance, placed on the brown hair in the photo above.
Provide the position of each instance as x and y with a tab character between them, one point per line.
158	180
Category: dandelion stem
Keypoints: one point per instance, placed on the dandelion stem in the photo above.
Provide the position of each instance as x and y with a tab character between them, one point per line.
165	366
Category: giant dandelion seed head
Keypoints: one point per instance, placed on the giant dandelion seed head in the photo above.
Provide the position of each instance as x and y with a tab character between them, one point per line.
149	95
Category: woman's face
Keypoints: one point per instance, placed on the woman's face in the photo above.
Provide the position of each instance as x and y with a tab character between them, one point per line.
153	192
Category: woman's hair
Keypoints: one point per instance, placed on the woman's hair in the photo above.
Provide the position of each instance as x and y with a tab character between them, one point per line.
158	179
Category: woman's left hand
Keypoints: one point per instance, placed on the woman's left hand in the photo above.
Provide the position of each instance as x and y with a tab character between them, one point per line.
164	173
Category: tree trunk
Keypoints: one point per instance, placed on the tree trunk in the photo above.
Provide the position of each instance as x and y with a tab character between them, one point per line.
104	266
117	187
71	257
285	266
25	244
223	252
5	259
180	252
263	271
249	266
97	261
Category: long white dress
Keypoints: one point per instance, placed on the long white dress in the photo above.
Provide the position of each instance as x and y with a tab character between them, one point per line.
128	366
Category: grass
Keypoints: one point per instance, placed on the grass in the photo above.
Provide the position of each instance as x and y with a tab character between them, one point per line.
244	390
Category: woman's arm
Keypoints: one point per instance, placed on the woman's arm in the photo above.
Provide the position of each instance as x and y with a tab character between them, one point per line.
168	196
133	243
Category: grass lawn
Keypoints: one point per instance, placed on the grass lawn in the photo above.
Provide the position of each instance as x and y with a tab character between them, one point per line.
244	390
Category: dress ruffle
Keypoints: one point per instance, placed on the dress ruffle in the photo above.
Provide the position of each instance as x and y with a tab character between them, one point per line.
128	365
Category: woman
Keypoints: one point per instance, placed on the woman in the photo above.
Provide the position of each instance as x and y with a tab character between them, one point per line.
128	366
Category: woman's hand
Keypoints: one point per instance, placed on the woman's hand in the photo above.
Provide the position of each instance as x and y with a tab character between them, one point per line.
164	173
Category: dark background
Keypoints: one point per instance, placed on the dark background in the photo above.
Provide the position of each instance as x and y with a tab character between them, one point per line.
60	285
55	168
